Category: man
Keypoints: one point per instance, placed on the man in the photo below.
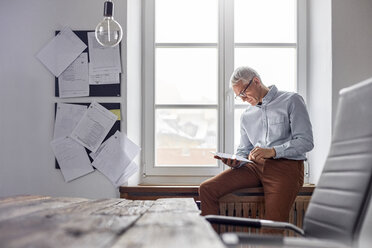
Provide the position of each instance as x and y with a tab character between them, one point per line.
275	133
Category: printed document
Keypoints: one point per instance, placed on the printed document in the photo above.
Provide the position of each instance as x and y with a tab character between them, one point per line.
93	126
104	78
103	60
74	81
67	117
115	157
232	156
93	155
130	170
72	158
61	51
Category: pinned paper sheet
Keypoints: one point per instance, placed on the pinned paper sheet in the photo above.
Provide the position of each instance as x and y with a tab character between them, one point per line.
117	113
104	78
93	126
61	51
72	158
115	158
74	81
93	155
67	117
103	60
129	171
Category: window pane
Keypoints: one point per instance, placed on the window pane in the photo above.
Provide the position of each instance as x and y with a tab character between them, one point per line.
185	137
186	75
265	21
237	114
275	65
186	21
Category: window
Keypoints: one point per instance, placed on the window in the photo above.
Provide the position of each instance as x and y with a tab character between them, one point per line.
190	49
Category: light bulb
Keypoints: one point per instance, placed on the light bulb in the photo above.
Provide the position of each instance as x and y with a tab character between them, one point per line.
108	32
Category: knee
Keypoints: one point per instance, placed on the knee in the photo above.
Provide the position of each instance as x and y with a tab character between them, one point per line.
206	189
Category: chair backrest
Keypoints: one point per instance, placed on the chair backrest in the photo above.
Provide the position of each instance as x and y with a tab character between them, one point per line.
341	197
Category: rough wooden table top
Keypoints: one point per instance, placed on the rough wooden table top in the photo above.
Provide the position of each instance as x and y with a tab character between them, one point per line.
42	221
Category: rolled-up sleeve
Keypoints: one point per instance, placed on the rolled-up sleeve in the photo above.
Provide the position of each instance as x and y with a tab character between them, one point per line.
301	130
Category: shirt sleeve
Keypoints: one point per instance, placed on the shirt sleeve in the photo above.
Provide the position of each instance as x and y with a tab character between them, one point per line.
301	130
245	146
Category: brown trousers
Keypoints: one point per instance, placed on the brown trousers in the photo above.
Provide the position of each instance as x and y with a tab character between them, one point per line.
281	180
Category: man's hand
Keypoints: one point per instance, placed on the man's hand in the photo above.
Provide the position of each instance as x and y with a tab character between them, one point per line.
229	162
259	154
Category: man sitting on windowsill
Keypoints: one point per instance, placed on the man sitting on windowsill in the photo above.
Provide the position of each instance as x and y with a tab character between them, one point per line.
275	133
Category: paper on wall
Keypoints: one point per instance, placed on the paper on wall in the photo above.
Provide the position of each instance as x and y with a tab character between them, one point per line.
130	170
117	113
104	78
93	126
103	60
61	51
72	158
74	81
115	157
67	117
93	155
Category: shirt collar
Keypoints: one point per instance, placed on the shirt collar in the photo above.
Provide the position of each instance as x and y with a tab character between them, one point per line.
270	95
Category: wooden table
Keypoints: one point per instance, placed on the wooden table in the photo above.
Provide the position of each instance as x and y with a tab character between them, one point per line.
42	221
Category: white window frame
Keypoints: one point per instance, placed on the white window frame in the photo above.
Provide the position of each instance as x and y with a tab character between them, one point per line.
225	103
299	45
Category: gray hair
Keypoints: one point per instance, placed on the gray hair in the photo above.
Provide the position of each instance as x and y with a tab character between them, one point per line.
243	73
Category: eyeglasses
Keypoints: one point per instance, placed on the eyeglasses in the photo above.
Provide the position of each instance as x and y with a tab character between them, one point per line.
242	93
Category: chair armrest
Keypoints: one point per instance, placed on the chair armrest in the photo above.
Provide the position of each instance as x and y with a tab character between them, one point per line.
235	239
248	222
240	239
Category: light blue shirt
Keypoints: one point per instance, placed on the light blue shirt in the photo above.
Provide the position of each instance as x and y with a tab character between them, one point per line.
281	122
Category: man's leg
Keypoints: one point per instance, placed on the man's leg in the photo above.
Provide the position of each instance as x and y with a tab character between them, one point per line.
281	179
226	182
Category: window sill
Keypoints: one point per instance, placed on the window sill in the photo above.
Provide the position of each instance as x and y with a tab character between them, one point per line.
154	192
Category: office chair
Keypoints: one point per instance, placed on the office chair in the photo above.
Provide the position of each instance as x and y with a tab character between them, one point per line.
339	203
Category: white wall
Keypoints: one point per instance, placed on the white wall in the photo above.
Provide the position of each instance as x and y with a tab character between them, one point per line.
134	61
352	43
27	96
339	55
352	62
319	81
